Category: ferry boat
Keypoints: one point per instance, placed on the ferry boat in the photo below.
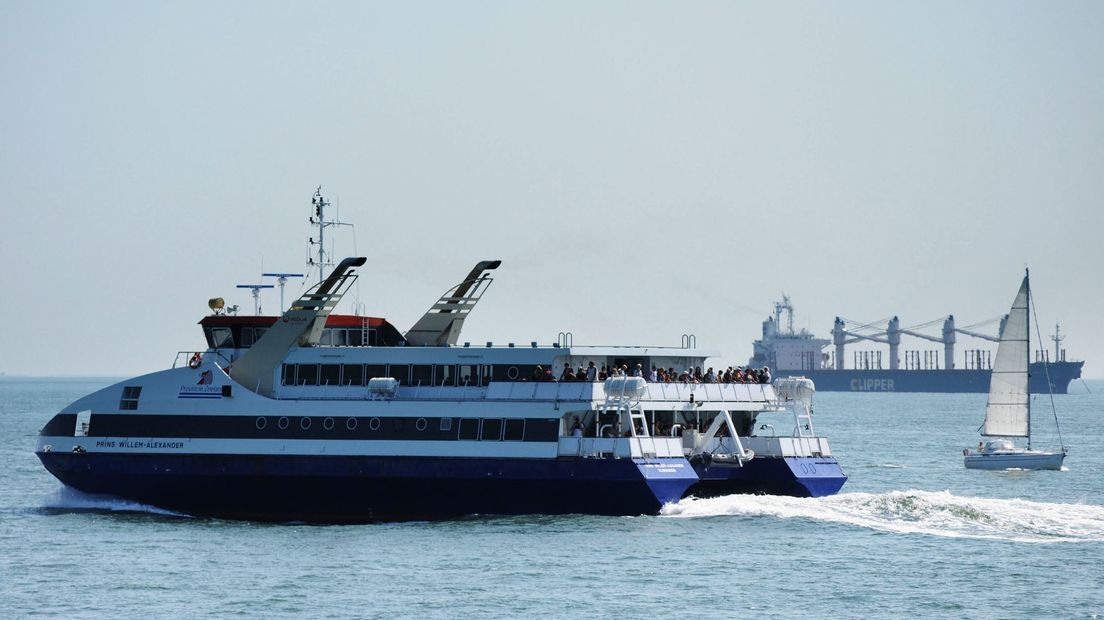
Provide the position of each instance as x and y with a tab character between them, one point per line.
319	417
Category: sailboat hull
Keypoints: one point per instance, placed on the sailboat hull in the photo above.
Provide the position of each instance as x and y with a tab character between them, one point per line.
1014	459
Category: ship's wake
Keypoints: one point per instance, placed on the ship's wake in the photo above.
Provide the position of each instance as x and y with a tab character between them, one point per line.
68	500
917	512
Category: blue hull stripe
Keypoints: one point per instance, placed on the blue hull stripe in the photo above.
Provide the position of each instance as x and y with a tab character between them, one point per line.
358	489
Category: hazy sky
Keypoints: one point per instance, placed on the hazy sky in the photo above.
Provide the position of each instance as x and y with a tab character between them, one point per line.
643	170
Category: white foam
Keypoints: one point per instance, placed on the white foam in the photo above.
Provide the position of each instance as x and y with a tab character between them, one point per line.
66	498
917	512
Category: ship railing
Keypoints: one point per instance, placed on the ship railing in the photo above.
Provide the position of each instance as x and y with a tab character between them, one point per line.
183	358
783	446
620	447
750	396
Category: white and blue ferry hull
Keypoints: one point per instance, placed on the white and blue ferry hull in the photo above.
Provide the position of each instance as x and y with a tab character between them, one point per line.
796	476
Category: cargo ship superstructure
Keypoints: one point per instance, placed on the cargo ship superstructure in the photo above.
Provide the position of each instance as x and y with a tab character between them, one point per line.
789	352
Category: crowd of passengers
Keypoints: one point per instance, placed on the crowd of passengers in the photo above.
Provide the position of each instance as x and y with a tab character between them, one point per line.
591	373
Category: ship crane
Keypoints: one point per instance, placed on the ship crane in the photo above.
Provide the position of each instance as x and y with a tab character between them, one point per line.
892	336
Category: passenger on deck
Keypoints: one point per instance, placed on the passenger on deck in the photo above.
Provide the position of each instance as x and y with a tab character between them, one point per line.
653	376
548	374
764	376
591	372
538	373
567	374
710	376
638	371
577	428
603	374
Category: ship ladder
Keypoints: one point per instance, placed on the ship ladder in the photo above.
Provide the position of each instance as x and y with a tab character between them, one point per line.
803	426
619	402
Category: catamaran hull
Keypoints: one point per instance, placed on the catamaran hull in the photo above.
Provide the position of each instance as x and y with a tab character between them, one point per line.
343	489
794	476
1015	460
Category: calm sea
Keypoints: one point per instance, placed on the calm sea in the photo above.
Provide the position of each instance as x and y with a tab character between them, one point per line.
913	534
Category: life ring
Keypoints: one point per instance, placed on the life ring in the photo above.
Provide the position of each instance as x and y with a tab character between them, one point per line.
196	360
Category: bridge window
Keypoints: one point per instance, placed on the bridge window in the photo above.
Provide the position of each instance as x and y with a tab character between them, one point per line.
222	338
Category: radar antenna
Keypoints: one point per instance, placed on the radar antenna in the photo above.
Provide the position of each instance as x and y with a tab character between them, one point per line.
256	288
281	280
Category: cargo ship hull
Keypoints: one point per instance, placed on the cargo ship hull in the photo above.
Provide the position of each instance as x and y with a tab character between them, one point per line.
851	380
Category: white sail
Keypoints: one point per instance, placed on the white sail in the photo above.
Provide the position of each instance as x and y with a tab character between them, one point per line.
1006	413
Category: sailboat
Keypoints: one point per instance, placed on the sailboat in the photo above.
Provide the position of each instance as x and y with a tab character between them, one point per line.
1008	410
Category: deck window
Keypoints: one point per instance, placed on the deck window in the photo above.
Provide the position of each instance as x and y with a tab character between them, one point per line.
468	375
307	374
352	374
514	430
421	374
331	374
469	428
129	401
492	430
445	375
399	372
339	339
289	374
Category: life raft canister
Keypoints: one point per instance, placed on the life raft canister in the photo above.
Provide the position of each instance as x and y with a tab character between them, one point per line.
195	361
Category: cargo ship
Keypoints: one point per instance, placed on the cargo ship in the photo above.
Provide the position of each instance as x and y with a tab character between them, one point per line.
790	352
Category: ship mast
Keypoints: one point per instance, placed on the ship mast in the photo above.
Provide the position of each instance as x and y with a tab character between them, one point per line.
1057	344
319	221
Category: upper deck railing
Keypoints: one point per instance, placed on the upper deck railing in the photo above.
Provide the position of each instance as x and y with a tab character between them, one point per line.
753	394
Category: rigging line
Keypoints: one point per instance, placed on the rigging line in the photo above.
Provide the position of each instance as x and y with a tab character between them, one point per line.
980	323
1086	385
870	325
1046	367
923	325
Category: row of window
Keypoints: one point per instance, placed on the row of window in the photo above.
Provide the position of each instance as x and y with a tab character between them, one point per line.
223	337
448	375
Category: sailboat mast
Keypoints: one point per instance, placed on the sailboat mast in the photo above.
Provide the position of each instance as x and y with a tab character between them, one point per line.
1027	279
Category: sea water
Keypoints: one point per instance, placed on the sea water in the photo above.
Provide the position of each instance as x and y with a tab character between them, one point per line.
912	534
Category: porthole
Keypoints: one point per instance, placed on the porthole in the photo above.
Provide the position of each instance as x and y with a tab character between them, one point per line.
328	424
261	423
282	423
374	424
304	423
351	424
512	373
420	424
